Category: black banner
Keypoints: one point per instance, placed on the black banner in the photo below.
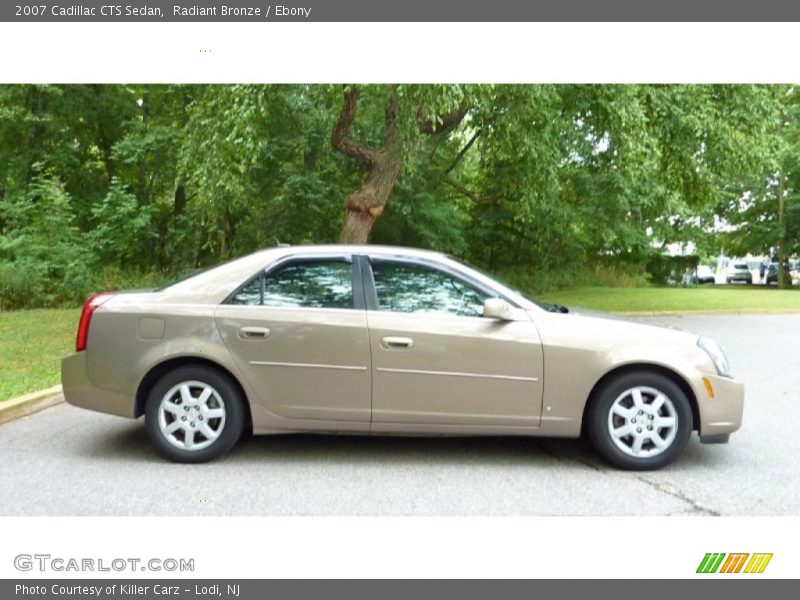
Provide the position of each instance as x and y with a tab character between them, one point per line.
282	589
402	11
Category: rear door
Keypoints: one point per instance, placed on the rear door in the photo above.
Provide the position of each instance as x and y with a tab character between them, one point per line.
298	333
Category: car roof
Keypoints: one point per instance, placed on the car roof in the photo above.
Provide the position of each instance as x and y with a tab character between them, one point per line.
216	283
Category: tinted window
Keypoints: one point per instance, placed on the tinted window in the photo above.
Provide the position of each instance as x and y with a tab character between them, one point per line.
310	284
410	288
250	294
320	284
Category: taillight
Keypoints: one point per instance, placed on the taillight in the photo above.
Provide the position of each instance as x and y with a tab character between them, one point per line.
91	304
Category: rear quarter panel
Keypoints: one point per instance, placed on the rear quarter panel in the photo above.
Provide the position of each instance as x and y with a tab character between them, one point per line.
129	336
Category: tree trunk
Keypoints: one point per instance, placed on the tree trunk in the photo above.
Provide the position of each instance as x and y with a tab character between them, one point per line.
382	165
36	142
180	200
782	232
104	141
366	204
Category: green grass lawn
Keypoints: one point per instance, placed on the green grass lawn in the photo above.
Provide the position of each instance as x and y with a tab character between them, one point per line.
33	343
709	298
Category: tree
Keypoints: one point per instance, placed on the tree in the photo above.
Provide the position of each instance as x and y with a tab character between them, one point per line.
548	184
765	217
383	164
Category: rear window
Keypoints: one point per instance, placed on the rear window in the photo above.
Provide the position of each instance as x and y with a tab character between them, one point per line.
302	284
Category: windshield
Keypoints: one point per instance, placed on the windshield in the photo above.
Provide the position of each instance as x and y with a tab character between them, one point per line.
523	299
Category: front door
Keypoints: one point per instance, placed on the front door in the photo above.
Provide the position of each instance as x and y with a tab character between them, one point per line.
437	360
299	335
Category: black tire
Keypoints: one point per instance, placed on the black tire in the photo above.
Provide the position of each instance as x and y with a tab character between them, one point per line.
229	428
598	421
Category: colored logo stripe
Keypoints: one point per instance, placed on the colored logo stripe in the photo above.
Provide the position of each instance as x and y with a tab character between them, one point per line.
758	563
733	564
710	562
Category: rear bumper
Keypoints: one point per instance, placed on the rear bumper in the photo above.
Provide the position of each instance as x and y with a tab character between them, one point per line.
722	414
79	391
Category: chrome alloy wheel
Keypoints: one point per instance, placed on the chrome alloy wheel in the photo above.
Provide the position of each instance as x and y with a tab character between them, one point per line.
642	422
191	415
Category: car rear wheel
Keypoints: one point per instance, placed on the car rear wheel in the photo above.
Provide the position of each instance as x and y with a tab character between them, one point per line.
640	421
194	414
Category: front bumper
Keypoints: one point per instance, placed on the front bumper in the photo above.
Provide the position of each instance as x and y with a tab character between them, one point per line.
79	391
722	414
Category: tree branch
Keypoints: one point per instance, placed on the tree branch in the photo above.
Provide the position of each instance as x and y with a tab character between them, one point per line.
390	118
443	123
340	136
462	189
463	151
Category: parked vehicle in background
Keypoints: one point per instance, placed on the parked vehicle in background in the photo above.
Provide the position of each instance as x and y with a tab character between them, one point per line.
382	340
739	272
772	273
793	275
705	274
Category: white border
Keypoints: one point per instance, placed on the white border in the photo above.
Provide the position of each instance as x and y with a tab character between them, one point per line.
426	53
397	547
398	52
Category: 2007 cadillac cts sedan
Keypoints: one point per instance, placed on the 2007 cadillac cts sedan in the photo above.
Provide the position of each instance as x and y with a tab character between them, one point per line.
381	340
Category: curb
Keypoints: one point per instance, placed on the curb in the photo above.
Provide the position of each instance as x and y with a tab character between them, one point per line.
22	406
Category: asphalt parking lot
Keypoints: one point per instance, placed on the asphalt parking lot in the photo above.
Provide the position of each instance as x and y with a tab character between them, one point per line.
66	461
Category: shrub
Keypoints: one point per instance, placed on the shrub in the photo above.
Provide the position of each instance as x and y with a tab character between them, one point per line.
43	258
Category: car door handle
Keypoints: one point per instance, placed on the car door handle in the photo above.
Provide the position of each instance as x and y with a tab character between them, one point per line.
254	333
391	342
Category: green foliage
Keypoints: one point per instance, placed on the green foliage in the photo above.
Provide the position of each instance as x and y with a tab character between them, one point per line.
766	219
105	186
119	212
670	270
43	259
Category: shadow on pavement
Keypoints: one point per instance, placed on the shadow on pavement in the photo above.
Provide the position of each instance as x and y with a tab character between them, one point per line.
128	442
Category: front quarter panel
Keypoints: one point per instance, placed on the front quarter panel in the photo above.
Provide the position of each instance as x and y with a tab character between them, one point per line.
580	351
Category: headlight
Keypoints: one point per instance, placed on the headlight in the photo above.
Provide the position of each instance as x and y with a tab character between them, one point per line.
717	355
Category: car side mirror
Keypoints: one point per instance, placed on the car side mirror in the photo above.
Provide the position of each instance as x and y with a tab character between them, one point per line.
497	308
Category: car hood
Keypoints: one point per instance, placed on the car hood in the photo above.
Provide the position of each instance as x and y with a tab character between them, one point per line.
605	326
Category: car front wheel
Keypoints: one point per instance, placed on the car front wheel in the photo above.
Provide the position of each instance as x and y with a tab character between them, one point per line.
640	421
194	414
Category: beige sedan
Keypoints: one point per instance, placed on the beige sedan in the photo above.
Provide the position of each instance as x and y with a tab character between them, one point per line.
381	340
